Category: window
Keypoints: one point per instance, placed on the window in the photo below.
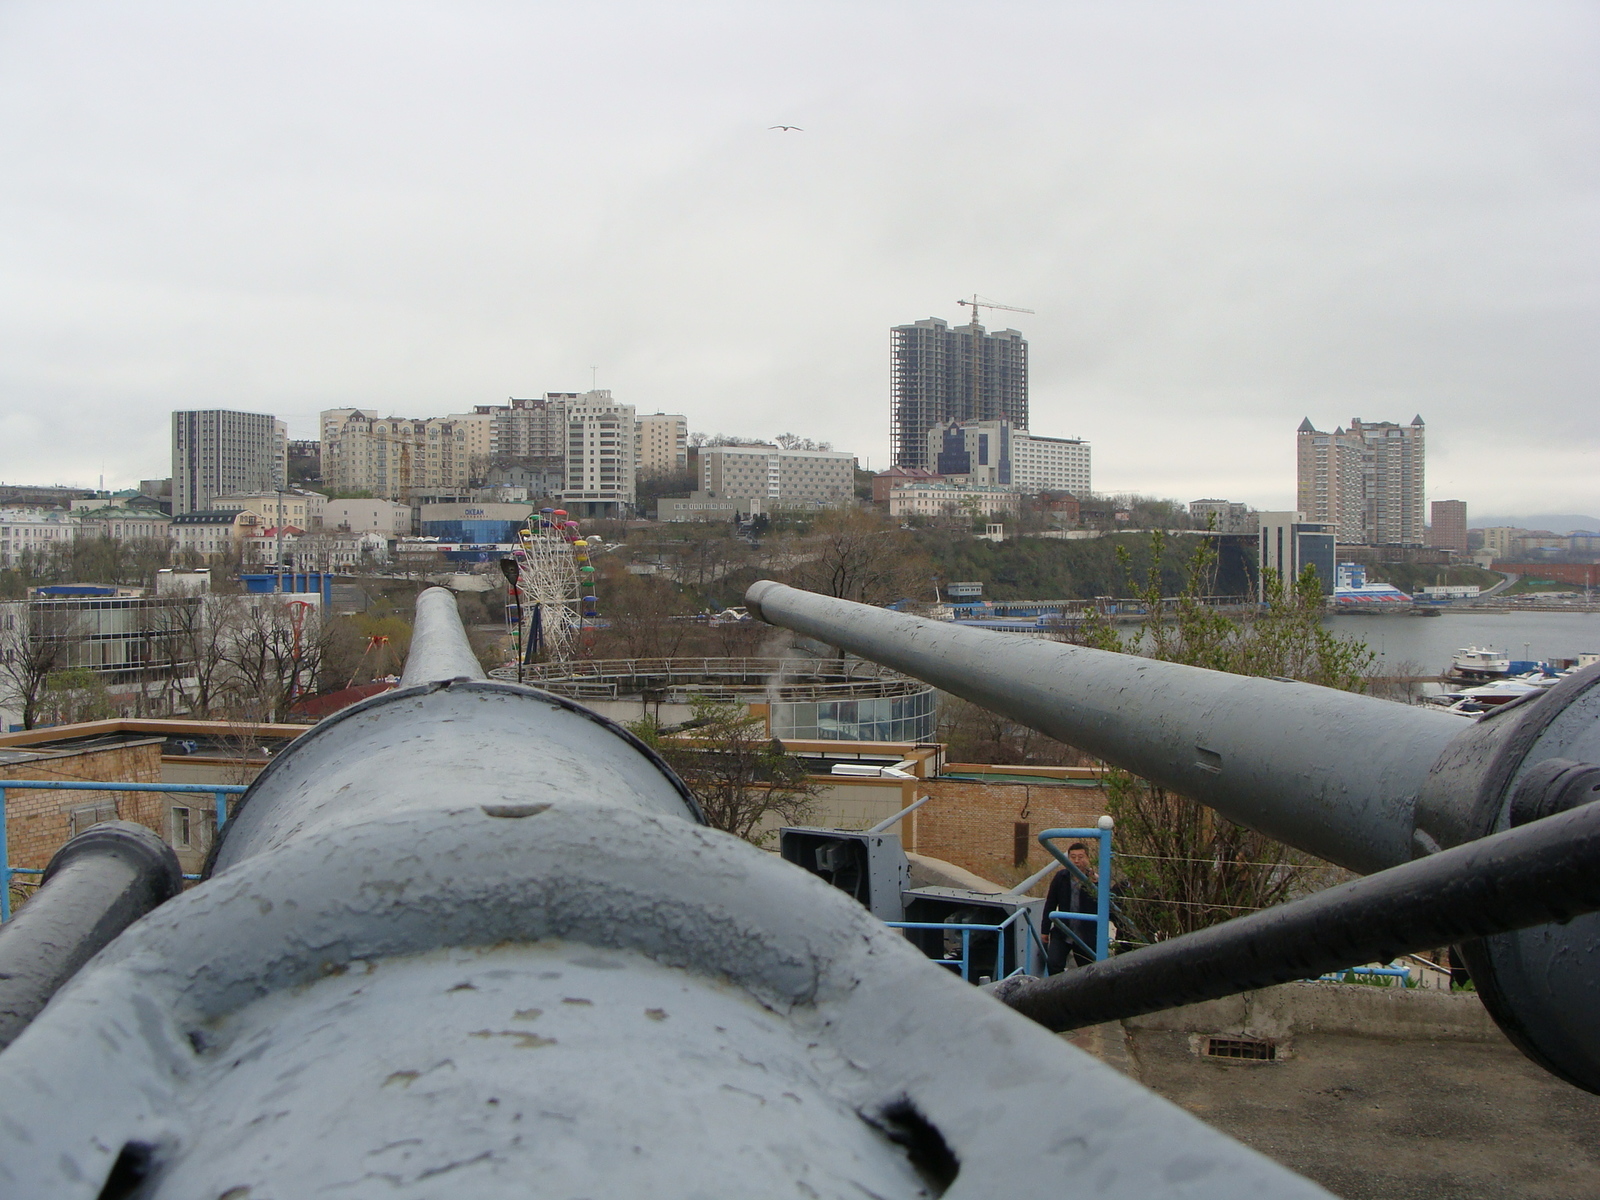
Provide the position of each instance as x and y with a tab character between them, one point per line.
87	816
180	828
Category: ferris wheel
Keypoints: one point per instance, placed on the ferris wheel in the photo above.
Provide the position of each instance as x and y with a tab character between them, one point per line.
556	580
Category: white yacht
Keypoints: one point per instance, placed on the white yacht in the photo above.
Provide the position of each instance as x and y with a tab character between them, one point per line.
1480	662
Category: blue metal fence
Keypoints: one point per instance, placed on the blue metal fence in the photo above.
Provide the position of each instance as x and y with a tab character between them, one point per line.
1031	957
1026	943
221	792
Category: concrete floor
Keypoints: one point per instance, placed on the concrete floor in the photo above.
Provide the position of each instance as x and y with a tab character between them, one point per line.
1379	1094
1381	1120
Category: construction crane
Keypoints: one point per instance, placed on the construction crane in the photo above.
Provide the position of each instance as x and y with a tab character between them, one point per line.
975	358
975	304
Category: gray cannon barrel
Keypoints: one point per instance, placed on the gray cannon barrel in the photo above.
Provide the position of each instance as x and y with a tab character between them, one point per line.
439	645
1333	773
468	938
1543	872
97	885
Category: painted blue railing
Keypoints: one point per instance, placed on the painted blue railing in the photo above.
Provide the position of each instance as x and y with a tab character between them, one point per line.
1102	914
221	791
1393	971
964	965
1031	956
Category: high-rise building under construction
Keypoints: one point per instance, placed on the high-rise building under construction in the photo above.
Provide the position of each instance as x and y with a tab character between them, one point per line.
944	374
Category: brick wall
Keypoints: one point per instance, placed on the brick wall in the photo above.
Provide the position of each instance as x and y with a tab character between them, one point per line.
39	822
975	825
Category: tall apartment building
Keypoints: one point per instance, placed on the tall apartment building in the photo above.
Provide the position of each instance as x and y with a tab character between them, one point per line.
215	451
399	457
1367	481
528	428
943	374
1447	526
661	444
781	478
599	453
995	454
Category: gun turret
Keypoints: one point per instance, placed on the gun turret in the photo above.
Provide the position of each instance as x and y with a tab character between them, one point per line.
1365	783
469	938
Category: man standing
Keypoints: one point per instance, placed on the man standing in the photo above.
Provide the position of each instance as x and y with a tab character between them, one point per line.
1068	894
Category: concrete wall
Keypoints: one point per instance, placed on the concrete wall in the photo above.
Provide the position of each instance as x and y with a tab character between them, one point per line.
1356	1010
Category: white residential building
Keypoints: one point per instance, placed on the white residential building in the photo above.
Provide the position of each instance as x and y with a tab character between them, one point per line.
661	444
998	454
1049	464
600	463
214	533
22	530
123	524
781	478
384	517
952	500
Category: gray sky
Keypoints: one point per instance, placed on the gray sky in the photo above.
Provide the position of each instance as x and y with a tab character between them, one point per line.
1229	216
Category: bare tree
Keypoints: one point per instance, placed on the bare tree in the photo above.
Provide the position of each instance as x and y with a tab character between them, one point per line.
739	775
793	441
855	555
35	643
274	656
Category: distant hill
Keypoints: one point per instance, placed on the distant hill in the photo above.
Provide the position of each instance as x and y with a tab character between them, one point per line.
1556	522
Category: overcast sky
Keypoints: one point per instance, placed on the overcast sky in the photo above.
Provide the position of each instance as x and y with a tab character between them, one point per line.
1228	216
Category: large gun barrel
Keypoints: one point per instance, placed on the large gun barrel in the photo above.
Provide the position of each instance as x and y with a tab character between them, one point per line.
1362	782
1333	773
469	938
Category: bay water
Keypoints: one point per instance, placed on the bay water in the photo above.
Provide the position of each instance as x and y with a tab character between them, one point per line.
1407	645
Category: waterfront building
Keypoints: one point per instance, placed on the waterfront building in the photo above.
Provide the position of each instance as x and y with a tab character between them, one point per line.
1366	481
1502	541
474	522
215	452
1447	527
1288	543
942	374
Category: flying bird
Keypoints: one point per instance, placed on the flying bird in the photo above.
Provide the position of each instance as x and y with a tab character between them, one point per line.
787	128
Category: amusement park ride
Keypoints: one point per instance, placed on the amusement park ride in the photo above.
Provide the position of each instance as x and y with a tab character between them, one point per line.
552	582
